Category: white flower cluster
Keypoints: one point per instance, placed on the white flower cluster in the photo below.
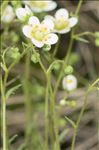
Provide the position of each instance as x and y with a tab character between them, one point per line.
44	32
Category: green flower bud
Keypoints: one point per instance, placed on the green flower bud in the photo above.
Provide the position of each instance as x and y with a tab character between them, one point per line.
15	56
71	103
56	66
68	70
35	57
46	47
13	53
97	42
97	34
74	58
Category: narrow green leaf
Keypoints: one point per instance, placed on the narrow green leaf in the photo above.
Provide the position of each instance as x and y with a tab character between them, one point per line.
63	135
70	121
81	39
12	90
13	138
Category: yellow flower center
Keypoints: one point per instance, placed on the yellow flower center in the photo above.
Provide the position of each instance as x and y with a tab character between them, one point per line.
69	81
39	32
38	4
61	24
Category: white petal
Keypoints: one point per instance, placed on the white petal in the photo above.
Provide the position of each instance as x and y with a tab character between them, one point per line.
69	85
28	10
63	31
27	30
51	6
48	23
49	17
73	21
34	20
52	39
21	13
62	13
37	43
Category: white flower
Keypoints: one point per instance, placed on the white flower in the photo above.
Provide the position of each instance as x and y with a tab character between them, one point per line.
8	14
23	13
41	5
69	82
40	33
63	23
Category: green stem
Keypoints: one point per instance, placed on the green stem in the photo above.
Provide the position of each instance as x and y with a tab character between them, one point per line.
65	63
78	7
4	128
84	33
81	114
54	94
46	115
69	49
63	66
56	48
28	104
47	75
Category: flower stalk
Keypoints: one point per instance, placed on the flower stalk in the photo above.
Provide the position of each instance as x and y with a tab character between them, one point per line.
81	114
4	130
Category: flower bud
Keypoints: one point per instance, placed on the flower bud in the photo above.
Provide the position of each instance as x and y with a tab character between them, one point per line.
12	54
97	34
46	47
97	42
35	57
62	102
56	66
68	70
69	82
72	103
